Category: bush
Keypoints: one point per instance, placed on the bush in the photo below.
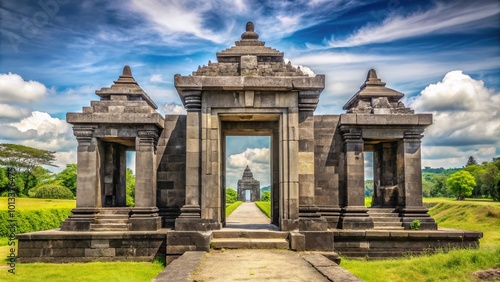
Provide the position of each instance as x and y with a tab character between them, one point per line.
33	220
415	224
265	207
266	196
53	191
230	208
231	196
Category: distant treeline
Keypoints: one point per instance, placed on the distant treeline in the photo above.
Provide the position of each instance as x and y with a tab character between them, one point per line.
435	180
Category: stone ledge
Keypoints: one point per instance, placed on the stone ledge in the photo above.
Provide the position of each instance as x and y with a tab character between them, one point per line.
181	269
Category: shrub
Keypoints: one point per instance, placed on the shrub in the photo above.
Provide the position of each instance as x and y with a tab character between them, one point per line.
415	224
231	196
265	207
33	220
266	196
230	208
53	191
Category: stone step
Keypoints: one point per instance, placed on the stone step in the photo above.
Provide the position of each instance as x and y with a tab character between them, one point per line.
109	227
113	211
111	220
385	219
381	210
249	243
249	234
389	227
386	224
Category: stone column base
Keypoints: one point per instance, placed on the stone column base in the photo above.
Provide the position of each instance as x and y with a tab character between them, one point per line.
408	215
355	218
331	214
196	224
145	219
310	219
80	219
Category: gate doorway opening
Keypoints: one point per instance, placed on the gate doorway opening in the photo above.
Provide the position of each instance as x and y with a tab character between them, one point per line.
249	153
248	178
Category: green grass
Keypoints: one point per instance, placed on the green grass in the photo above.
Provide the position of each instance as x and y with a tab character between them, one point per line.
93	271
265	207
230	208
456	265
37	204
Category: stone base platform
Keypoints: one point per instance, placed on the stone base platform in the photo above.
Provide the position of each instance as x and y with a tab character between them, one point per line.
67	246
378	244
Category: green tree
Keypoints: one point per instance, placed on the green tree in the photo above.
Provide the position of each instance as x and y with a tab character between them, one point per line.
461	183
231	196
24	159
67	177
490	180
53	191
266	196
471	161
130	188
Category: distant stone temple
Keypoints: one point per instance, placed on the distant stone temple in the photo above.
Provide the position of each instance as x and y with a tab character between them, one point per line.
248	183
317	166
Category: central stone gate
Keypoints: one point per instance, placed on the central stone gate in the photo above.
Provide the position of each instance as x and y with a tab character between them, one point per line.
250	91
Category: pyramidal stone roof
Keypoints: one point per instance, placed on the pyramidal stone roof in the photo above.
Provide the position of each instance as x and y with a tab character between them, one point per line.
127	87
247	173
373	97
249	57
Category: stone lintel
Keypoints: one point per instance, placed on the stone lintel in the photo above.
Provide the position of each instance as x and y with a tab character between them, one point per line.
386	120
186	83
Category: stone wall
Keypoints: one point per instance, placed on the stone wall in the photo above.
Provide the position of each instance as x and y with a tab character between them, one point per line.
172	168
327	152
57	246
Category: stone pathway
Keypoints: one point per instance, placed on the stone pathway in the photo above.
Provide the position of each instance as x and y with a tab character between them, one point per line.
255	265
248	216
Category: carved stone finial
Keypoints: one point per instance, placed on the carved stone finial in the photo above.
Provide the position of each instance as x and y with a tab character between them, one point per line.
250	32
127	71
250	26
371	74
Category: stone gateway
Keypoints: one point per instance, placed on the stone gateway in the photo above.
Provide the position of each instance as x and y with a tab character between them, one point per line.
248	183
317	166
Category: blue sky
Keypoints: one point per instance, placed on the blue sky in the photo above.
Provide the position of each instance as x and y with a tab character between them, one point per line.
444	55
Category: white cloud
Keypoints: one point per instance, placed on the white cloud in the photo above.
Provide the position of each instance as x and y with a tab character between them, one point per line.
40	130
258	161
158	78
466	121
13	88
12	112
173	109
307	71
180	17
443	18
465	111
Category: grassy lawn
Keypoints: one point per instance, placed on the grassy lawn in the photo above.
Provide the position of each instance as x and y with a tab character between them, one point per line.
265	207
456	265
231	207
37	204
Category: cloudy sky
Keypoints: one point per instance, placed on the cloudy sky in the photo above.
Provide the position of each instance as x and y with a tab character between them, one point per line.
444	55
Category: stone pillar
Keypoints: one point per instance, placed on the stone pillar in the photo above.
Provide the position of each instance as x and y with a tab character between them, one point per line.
410	182
354	213
145	213
309	216
88	181
190	217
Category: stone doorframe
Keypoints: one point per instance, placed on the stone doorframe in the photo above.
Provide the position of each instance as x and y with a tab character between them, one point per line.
216	124
230	126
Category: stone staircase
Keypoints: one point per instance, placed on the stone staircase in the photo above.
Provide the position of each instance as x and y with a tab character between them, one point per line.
113	219
385	219
249	239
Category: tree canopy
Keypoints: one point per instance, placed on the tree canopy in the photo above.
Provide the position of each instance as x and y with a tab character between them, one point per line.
461	183
24	158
